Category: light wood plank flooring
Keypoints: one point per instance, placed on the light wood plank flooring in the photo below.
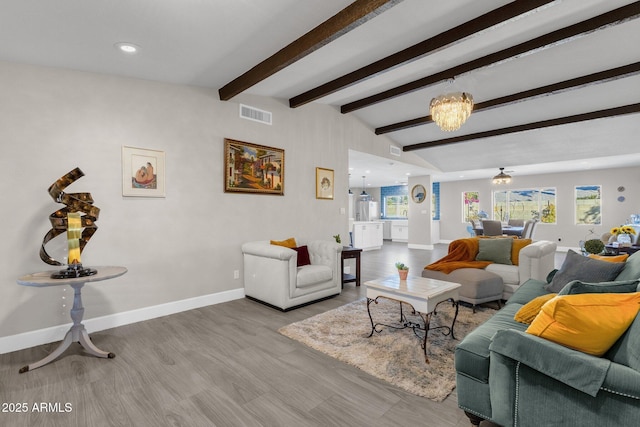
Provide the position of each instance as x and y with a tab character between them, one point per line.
222	365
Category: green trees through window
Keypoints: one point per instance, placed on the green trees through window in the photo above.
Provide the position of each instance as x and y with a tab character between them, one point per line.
525	204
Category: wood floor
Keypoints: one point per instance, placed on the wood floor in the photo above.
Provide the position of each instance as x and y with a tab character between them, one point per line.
222	365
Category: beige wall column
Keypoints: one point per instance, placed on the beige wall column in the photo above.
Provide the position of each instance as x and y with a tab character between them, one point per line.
420	220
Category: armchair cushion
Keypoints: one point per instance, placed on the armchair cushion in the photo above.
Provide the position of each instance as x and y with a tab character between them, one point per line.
530	310
617	287
495	250
631	268
626	350
578	267
575	369
287	243
614	258
313	274
590	323
303	255
516	246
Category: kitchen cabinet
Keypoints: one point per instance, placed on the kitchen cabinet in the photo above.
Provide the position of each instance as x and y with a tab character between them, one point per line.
367	235
400	231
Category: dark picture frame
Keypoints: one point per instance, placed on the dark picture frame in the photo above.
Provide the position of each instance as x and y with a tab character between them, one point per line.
253	168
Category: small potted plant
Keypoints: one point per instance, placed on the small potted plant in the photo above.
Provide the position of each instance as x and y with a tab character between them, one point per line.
594	246
403	270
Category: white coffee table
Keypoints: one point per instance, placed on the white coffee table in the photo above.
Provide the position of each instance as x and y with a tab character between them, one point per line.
422	294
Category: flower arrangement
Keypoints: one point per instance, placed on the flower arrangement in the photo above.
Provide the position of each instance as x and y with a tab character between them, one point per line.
623	229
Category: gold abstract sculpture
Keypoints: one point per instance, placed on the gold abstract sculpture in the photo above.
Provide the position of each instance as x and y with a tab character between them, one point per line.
79	227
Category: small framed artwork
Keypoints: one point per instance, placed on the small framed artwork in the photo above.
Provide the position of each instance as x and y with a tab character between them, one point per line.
143	172
324	183
251	168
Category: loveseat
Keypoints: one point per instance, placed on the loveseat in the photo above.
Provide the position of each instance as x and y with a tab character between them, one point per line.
286	278
500	275
516	378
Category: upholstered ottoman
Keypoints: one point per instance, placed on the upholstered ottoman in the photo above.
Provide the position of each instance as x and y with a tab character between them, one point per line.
478	285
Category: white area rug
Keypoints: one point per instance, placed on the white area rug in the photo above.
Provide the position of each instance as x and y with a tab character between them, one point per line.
393	355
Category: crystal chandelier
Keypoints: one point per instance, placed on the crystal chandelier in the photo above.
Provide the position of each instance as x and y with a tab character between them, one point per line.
502	178
451	110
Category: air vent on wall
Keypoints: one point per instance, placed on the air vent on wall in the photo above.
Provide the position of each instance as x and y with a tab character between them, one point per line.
255	114
395	150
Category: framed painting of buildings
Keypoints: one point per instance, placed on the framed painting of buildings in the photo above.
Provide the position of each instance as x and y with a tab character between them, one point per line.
143	172
251	168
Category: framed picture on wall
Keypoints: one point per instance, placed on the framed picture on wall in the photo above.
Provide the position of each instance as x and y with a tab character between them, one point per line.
143	172
324	183
251	168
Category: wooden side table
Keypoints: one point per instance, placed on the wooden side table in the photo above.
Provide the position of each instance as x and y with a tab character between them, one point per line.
349	252
77	332
623	249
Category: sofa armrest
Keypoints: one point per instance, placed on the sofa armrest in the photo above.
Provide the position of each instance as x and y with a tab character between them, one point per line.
578	370
267	250
622	380
536	260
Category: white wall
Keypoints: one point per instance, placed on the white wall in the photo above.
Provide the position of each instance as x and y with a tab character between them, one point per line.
186	245
565	233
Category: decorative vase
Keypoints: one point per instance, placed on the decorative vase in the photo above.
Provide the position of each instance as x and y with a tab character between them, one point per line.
624	239
403	274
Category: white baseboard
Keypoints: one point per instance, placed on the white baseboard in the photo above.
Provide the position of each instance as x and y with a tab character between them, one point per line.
423	247
566	249
56	333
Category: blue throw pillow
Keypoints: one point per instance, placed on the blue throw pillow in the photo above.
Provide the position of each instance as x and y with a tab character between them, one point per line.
578	267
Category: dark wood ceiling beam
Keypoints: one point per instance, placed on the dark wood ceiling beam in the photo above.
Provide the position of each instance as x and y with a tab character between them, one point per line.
610	112
608	19
419	50
352	16
564	86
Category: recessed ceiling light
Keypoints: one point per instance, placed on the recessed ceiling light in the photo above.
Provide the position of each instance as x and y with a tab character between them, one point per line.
128	48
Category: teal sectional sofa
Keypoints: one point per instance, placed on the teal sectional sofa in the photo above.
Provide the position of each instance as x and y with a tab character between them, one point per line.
513	378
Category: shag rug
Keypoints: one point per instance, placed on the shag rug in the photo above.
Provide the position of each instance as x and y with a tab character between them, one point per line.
393	355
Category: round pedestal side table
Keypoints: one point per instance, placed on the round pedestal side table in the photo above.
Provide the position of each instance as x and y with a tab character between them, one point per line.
77	332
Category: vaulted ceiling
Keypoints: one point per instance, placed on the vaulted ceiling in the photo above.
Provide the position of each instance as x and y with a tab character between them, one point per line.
556	83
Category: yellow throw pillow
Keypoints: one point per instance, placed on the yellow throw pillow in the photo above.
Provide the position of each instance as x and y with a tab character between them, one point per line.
590	323
515	249
530	310
289	243
615	258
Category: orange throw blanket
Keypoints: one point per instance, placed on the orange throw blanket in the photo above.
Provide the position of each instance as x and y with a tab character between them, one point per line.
462	254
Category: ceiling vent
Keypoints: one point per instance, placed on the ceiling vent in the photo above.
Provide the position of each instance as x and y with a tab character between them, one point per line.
255	114
393	150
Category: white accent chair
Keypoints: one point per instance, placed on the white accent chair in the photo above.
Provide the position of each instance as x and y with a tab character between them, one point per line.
272	277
